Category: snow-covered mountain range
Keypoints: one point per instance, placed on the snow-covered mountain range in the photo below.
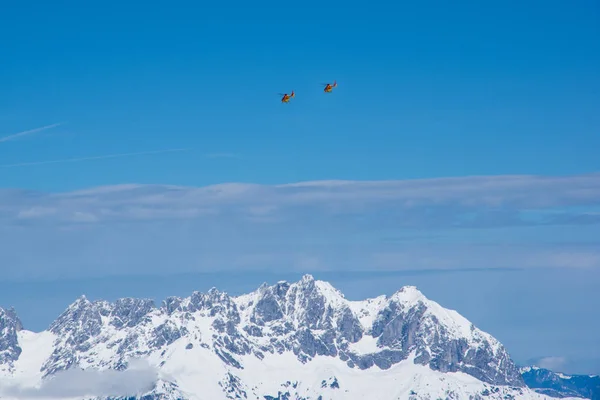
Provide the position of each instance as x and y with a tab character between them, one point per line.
299	340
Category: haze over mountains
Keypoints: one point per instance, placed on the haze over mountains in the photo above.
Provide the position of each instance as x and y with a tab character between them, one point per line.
290	340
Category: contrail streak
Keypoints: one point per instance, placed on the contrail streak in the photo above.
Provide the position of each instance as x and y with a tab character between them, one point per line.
29	132
91	158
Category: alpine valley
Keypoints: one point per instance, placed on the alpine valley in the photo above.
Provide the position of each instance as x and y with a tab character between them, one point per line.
289	341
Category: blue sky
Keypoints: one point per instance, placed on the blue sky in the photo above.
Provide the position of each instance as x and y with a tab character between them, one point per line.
426	91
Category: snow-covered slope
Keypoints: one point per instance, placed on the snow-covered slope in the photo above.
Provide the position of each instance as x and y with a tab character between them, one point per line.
299	340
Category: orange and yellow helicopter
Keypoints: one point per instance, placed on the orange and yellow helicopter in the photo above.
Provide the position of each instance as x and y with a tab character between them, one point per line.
329	87
286	97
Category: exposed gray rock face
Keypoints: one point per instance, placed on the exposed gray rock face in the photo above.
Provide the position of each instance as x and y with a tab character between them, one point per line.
312	319
130	312
308	318
349	327
84	325
410	328
10	324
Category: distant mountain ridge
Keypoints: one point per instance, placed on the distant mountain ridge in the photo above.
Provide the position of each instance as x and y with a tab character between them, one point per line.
299	340
559	385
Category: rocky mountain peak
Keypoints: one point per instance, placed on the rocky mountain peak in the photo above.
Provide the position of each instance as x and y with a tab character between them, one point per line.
128	312
81	316
307	279
304	319
10	325
408	295
10	318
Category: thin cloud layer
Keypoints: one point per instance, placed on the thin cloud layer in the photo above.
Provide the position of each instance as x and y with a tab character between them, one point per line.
138	379
446	223
485	201
15	136
552	363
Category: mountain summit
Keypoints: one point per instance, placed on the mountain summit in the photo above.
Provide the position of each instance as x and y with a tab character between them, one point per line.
301	340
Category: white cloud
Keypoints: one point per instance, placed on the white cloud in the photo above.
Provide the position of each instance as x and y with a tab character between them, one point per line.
552	363
137	379
35	212
445	223
28	132
468	201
